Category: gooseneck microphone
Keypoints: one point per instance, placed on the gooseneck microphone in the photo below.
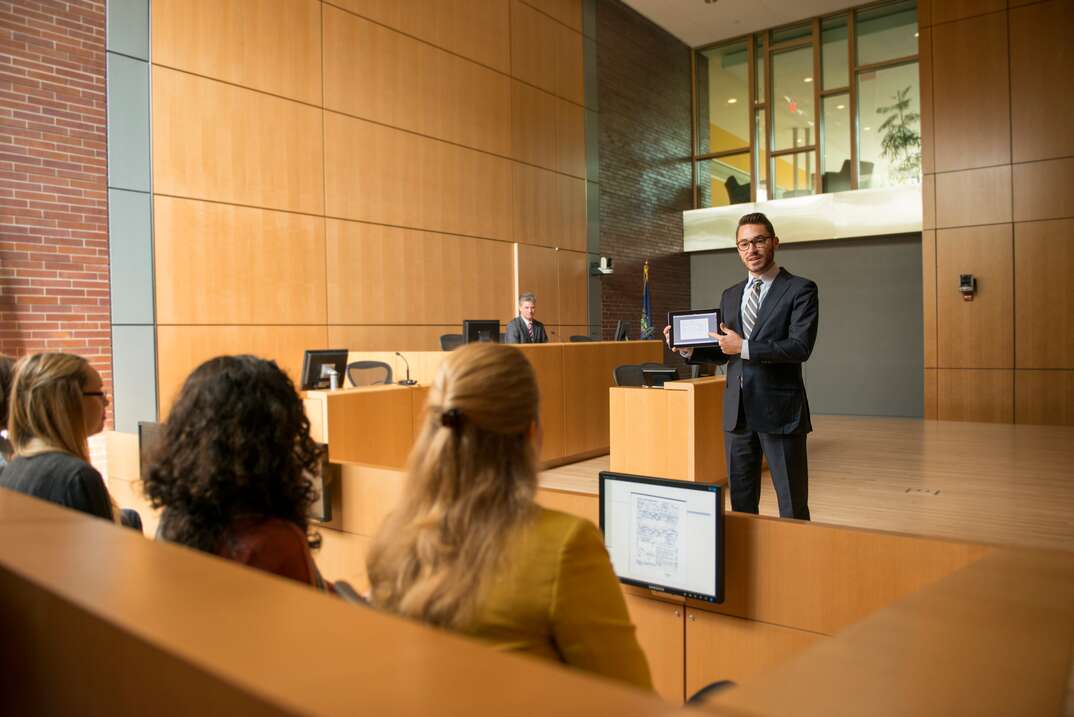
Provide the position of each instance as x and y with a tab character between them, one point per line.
409	381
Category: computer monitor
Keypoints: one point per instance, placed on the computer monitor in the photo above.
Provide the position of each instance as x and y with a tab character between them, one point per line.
657	377
475	331
317	364
665	535
622	332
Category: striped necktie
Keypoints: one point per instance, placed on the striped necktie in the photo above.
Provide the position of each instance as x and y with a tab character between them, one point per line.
753	302
529	327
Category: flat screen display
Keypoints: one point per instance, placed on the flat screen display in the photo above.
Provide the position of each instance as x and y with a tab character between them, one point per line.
692	328
665	535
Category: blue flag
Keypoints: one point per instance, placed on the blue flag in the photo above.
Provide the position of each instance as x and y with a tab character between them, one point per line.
647	330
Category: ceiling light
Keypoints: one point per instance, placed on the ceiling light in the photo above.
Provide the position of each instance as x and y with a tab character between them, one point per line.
840	107
915	34
732	101
807	79
867	128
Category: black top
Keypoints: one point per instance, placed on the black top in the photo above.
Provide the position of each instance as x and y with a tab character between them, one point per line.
59	478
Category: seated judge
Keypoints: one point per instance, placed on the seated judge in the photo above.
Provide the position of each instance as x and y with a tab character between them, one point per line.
524	328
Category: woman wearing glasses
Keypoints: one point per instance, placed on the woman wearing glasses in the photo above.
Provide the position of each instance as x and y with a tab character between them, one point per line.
56	404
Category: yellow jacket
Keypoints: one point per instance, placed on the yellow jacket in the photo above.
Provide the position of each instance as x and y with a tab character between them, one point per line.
556	597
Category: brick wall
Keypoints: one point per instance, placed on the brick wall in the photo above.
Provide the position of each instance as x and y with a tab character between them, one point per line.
643	85
53	181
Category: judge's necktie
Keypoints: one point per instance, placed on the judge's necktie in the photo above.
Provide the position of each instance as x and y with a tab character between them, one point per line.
749	314
529	327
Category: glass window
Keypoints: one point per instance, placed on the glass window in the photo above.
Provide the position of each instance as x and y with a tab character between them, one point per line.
723	99
835	144
834	52
723	181
759	78
889	127
760	168
792	98
887	33
792	33
794	174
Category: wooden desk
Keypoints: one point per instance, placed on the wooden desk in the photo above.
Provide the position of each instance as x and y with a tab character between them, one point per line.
675	432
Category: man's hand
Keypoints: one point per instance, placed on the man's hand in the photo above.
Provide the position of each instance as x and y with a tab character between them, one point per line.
685	353
730	342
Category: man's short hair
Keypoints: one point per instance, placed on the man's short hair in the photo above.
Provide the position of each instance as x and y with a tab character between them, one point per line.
756	218
528	296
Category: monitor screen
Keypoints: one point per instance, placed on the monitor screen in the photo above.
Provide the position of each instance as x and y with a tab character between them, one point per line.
318	364
481	331
657	377
665	535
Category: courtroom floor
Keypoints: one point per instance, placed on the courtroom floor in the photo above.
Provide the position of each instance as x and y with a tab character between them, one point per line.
994	483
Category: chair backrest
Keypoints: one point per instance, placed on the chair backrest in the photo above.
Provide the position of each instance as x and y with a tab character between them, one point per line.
450	342
628	375
580	339
369	373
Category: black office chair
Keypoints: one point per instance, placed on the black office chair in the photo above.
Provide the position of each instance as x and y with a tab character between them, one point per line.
628	375
369	373
450	342
581	339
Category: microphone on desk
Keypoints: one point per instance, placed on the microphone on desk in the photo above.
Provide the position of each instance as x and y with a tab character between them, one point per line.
409	381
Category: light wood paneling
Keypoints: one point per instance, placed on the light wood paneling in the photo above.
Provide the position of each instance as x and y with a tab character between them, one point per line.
388	176
660	632
978	333
379	74
1042	80
476	29
342	557
533	125
123	459
976	196
370	425
931	394
569	12
423	364
566	331
223	264
1044	294
570	138
273	46
227	144
572	207
546	53
572	272
1042	190
982	395
949	10
928	129
924	13
386	275
719	647
549	208
390	338
928	201
537	274
180	349
928	294
971	96
1044	397
547	362
583	506
569	75
367	495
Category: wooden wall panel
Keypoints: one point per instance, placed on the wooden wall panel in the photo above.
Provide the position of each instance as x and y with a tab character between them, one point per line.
928	201
971	94
660	633
549	208
568	12
719	647
533	46
180	349
981	395
533	125
1042	190
976	196
227	144
389	338
378	74
274	46
537	274
476	29
949	10
932	387
568	77
223	264
375	428
1044	294
386	275
928	293
928	130
342	557
547	362
978	333
387	176
570	138
572	277
1044	397
572	208
1042	80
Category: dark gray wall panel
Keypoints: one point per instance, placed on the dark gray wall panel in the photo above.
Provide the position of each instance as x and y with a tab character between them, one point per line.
128	123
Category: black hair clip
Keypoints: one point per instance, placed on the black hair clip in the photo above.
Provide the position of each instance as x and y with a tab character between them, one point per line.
451	418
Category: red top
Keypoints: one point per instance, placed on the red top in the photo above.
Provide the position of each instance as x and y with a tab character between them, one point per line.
273	545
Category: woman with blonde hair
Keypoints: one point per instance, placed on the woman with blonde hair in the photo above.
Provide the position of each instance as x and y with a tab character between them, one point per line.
468	548
56	404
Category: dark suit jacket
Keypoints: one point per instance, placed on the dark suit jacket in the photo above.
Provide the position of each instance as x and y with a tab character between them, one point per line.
517	333
770	382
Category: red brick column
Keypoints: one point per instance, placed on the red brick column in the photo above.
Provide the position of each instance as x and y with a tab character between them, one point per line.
54	280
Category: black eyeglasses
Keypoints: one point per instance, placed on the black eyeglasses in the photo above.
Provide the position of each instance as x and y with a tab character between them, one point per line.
756	242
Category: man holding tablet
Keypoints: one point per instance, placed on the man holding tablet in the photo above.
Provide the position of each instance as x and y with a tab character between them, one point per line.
768	328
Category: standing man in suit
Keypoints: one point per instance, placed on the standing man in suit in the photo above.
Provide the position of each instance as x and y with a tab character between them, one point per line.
524	329
768	331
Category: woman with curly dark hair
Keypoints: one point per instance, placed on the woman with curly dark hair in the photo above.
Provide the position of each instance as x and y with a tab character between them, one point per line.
234	466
